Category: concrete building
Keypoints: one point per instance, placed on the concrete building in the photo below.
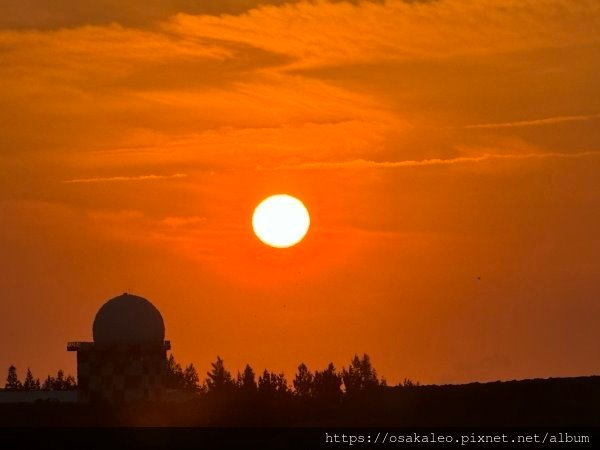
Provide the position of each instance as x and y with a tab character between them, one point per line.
127	359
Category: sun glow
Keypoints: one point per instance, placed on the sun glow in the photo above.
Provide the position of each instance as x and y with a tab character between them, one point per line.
280	221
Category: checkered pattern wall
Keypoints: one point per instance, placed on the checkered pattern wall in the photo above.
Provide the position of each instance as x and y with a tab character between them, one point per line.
121	373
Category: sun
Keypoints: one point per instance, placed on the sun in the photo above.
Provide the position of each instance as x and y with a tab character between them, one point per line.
280	221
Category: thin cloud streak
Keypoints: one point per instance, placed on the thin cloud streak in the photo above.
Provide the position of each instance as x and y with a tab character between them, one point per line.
125	178
533	123
367	164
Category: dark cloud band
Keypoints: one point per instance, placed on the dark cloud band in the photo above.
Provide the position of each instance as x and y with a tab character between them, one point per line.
49	14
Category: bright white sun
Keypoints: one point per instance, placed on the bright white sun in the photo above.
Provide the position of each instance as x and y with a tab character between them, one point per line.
280	221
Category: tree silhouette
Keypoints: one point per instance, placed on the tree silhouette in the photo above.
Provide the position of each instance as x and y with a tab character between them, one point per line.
219	379
48	384
409	383
31	384
60	383
303	382
191	381
174	377
247	380
327	384
12	380
70	382
360	376
270	383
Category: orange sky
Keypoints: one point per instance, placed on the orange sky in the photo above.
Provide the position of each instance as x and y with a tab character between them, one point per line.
432	142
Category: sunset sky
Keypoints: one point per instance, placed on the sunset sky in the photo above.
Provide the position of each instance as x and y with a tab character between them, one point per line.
433	142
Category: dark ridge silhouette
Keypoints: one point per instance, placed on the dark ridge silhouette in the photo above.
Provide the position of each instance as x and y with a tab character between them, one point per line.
354	396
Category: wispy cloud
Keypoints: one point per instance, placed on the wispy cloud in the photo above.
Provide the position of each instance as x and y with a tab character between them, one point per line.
366	164
178	222
125	178
536	122
49	14
403	31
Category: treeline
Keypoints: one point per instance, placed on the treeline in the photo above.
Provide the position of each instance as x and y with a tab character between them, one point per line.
51	383
328	384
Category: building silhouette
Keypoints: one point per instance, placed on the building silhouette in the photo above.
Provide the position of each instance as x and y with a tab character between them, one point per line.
127	359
